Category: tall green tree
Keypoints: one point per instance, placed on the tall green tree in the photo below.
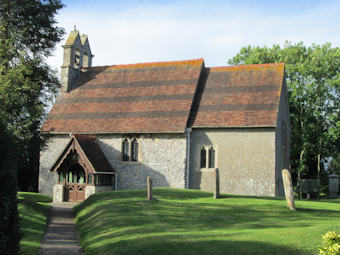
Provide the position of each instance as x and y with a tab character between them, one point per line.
9	221
313	80
28	34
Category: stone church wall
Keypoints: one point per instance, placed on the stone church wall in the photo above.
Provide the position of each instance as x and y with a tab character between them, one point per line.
161	156
48	157
245	159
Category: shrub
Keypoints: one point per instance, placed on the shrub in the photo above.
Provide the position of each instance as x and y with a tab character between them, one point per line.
331	244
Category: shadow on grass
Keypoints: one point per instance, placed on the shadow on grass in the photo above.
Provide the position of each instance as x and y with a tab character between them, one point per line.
34	197
186	222
33	219
135	211
178	245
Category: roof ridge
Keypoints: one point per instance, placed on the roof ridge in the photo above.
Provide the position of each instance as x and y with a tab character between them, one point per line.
156	63
246	66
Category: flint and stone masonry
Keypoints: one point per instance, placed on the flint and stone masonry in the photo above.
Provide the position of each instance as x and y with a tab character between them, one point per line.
48	156
161	156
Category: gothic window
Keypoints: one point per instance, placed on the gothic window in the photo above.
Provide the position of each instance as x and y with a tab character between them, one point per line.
211	157
208	157
125	150
134	150
61	176
76	58
85	60
89	179
203	158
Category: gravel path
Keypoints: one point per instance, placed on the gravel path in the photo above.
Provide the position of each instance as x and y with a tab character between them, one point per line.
61	236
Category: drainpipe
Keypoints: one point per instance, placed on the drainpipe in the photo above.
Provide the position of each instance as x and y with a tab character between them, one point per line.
188	157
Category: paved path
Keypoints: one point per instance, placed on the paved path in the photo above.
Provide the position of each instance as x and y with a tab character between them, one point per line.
61	237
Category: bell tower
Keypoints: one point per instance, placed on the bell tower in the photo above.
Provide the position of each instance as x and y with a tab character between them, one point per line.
77	55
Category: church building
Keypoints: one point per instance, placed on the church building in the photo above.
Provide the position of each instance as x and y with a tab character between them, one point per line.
179	121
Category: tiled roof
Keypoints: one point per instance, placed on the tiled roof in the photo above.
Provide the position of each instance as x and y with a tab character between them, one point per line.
94	153
240	96
136	98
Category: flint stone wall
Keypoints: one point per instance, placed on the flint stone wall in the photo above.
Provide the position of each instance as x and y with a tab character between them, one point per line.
48	157
161	156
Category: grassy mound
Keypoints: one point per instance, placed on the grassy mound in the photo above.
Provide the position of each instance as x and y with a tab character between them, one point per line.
33	212
192	222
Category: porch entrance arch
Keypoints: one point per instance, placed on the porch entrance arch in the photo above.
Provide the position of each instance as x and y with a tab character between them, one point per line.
75	183
81	167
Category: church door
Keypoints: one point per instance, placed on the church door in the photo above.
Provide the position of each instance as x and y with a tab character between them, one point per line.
75	184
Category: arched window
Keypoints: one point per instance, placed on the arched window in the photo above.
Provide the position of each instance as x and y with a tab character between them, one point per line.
203	158
125	150
76	58
61	176
85	60
134	150
211	157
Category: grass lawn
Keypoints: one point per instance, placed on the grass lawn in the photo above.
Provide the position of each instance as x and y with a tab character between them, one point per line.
33	212
192	222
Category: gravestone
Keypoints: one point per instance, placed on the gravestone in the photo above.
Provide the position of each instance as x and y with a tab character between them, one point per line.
310	186
333	185
149	183
288	186
217	184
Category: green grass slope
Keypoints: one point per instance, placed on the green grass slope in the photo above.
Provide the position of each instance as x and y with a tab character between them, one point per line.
192	222
33	212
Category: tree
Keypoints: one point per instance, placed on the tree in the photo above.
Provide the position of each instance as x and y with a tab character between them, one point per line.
313	80
334	166
9	221
28	34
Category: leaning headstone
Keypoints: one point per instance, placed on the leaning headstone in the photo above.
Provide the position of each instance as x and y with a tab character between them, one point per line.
217	184
288	186
333	185
149	182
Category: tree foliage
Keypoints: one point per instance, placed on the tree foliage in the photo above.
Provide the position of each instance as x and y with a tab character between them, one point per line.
28	34
313	80
9	222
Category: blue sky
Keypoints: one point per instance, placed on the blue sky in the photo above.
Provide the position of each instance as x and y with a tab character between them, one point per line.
132	31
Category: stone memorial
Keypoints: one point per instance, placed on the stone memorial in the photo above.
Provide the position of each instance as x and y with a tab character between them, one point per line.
288	187
149	183
333	185
217	184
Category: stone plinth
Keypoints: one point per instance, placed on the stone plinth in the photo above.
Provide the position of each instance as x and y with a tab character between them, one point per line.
58	193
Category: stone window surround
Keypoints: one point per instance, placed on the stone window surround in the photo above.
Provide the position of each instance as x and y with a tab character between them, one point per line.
129	139
207	159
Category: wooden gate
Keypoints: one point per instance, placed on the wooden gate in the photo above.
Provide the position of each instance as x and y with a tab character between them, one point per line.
74	192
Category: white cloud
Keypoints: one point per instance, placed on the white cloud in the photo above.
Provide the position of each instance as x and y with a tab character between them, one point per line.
183	31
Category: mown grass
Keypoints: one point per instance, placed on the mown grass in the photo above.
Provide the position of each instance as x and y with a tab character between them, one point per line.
33	213
192	222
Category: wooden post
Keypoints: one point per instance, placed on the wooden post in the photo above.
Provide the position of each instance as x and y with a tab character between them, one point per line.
217	184
149	182
287	183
